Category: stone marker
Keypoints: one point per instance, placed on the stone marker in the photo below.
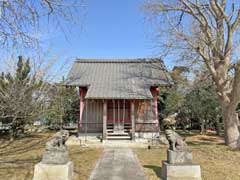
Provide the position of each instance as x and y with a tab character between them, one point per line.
179	165
55	164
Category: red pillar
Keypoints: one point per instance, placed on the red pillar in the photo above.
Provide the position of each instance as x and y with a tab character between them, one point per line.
82	93
155	97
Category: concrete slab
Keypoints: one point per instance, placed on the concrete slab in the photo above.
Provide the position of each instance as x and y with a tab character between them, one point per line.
93	140
96	143
118	164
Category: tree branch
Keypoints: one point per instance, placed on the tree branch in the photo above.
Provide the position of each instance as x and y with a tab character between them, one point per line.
236	22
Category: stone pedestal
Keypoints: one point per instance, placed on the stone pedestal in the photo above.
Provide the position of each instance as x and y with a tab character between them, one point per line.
55	156
179	166
179	157
180	171
53	172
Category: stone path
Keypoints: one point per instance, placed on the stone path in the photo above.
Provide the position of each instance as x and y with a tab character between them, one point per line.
118	164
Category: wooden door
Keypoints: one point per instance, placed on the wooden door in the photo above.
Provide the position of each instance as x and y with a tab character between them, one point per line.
118	112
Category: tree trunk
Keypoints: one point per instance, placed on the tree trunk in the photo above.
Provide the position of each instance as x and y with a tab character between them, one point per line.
231	125
184	127
13	134
206	126
202	124
218	127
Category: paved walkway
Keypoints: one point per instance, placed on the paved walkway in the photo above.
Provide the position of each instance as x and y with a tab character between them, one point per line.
118	164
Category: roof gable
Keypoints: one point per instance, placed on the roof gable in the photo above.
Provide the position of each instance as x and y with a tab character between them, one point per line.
118	78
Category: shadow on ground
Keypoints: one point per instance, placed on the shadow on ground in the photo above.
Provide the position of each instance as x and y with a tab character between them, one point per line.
197	143
156	169
196	132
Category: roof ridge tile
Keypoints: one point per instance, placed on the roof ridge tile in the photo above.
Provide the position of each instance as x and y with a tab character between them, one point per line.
119	60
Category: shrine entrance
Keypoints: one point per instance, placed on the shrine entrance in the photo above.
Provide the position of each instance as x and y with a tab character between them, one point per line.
118	119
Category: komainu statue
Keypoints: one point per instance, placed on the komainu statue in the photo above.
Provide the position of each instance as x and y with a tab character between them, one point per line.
177	152
176	142
179	164
56	151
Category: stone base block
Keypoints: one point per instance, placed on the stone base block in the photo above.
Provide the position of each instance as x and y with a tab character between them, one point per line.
180	172
53	172
55	156
179	157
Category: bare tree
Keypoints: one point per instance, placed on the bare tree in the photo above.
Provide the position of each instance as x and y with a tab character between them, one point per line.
206	31
21	22
26	90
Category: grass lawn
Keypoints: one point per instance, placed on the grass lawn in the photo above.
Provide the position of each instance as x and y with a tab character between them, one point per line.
217	161
17	158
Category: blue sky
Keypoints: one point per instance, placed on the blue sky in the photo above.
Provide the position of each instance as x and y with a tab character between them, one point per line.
110	29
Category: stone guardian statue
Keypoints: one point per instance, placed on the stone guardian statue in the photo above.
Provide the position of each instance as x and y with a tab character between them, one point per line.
179	165
56	151
55	164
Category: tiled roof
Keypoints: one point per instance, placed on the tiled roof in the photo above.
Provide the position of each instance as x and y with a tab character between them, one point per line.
118	78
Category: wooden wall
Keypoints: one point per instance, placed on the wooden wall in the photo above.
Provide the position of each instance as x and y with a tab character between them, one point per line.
145	116
92	120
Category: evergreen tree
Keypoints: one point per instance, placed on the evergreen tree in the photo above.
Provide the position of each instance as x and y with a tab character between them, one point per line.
17	91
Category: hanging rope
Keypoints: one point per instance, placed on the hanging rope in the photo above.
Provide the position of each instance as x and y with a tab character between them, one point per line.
97	118
118	114
152	113
113	112
123	111
93	113
146	113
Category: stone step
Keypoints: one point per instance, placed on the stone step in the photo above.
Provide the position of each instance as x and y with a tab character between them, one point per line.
118	138
118	134
125	130
125	127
